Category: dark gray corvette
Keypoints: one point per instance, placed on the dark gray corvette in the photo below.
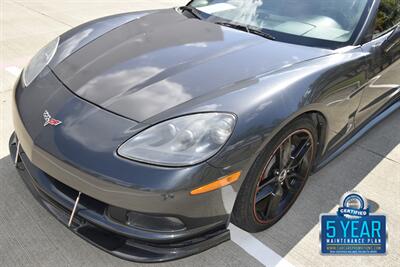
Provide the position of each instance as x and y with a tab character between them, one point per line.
148	132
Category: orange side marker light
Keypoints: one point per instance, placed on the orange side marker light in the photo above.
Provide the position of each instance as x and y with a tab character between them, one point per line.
224	181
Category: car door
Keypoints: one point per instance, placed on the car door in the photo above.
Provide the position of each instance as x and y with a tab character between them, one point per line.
383	53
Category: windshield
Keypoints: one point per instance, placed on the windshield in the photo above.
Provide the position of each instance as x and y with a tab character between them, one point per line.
324	23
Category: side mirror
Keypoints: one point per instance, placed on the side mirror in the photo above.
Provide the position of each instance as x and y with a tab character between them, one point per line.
392	40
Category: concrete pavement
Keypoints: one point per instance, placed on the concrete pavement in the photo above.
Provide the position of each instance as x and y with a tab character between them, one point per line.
29	236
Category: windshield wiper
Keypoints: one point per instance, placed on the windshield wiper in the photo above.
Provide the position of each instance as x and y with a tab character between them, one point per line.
233	25
191	10
247	28
260	33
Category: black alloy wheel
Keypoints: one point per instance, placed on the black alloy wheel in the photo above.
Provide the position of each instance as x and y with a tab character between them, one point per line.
277	177
284	176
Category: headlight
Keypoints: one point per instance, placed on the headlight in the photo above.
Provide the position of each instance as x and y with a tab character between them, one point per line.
39	62
181	141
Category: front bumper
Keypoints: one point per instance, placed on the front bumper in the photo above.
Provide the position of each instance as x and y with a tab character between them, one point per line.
56	164
92	223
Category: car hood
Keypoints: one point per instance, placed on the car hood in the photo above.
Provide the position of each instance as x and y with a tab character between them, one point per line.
164	59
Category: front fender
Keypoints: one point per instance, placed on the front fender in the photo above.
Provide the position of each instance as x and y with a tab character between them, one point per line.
330	85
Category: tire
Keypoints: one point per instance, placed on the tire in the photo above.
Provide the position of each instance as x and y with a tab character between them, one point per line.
248	212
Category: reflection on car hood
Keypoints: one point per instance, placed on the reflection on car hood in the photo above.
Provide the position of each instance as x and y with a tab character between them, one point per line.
164	59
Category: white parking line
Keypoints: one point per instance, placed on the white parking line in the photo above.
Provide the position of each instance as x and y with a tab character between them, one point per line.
13	70
257	249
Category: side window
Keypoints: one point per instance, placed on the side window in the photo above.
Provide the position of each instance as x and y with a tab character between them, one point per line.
387	17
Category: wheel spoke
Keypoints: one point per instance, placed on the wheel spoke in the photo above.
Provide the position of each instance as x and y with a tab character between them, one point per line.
286	151
268	169
274	201
265	190
279	159
264	193
283	153
299	154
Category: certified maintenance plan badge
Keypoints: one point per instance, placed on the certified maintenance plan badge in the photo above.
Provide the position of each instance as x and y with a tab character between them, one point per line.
353	230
